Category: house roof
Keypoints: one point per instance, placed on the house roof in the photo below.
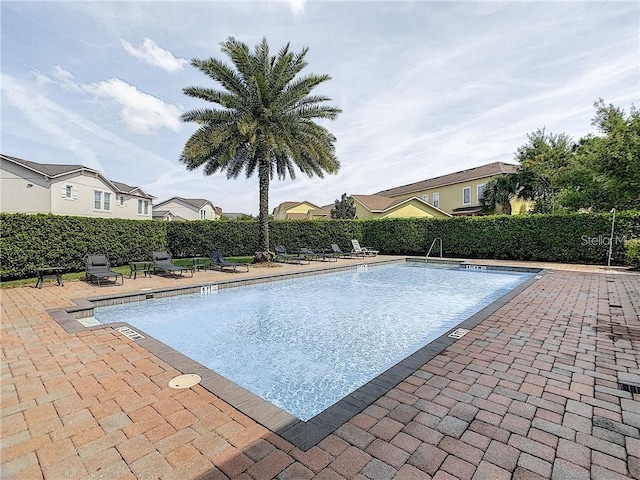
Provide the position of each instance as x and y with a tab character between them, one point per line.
379	203
376	202
197	203
53	170
123	187
482	171
288	205
47	169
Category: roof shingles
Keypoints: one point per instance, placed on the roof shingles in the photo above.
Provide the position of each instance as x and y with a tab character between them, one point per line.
53	170
482	171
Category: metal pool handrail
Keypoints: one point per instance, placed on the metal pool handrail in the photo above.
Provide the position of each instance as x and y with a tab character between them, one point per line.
431	248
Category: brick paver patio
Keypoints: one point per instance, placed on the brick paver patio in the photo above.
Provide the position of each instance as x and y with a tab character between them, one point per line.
532	392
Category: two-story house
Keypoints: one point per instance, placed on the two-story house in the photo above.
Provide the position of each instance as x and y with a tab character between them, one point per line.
457	193
30	187
180	209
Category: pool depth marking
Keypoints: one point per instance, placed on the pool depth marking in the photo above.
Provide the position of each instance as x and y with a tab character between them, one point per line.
458	333
130	333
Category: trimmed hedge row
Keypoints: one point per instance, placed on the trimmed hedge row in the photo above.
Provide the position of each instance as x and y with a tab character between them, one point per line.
573	238
188	239
632	248
29	241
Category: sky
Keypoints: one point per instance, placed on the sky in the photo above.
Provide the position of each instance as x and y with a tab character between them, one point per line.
426	88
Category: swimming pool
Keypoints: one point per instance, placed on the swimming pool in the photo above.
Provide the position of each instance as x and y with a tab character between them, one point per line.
305	343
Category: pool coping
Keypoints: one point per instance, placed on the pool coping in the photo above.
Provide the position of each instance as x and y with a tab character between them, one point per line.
302	434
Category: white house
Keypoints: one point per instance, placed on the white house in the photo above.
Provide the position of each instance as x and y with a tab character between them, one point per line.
30	187
178	208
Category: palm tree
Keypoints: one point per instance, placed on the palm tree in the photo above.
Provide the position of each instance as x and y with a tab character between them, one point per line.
500	191
264	121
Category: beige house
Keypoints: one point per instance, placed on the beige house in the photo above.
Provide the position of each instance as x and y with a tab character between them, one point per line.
299	211
378	206
180	209
457	193
30	187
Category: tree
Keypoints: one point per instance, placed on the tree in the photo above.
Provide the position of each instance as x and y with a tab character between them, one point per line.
344	208
605	170
500	191
543	161
264	121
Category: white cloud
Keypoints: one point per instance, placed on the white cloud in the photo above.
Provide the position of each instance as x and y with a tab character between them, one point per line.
297	6
41	79
49	118
153	54
61	128
141	113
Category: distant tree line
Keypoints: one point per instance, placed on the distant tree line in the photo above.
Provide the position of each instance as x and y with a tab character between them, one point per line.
595	174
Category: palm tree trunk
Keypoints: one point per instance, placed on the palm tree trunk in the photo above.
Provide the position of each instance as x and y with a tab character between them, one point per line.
263	217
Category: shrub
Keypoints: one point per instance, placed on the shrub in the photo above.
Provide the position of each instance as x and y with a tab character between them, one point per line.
632	248
29	241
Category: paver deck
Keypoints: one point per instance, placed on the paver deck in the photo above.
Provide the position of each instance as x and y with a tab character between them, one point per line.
531	392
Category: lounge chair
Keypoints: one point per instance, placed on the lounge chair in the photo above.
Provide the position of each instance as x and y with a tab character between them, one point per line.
283	256
163	263
359	251
98	268
321	257
338	253
218	261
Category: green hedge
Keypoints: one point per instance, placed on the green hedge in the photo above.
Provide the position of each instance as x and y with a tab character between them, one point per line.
573	238
632	248
29	241
188	239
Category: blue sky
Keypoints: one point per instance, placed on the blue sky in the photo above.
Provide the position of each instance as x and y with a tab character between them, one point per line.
426	88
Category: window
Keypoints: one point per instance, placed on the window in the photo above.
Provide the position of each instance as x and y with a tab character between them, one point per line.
121	200
425	197
143	207
68	191
107	201
480	191
436	199
466	196
97	200
203	214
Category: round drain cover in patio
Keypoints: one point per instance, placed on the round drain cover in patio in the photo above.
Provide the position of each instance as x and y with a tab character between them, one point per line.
185	381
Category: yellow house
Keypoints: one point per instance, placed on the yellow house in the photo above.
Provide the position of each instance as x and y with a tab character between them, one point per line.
457	193
379	206
297	211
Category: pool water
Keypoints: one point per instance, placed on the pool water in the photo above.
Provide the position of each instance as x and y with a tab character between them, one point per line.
305	343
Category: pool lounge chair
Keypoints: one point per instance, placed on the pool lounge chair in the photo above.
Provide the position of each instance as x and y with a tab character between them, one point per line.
283	256
218	262
359	251
163	263
337	252
321	257
98	268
